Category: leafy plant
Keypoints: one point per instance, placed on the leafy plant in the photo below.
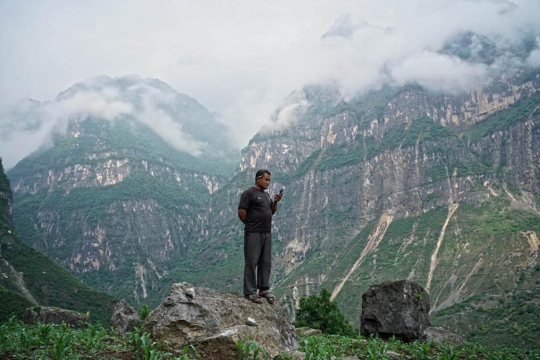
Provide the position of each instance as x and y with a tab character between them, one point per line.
249	349
143	313
319	312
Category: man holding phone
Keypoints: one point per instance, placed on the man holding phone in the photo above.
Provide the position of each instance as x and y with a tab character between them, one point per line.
255	210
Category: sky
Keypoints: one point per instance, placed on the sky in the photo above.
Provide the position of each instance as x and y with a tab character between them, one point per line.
242	58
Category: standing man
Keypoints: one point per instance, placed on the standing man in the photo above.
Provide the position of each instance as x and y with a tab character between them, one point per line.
255	210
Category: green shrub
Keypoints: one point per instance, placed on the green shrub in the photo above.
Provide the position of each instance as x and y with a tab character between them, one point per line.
319	312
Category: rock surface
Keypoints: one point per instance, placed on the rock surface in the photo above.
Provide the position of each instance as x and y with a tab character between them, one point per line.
305	331
125	317
399	309
214	322
440	335
48	315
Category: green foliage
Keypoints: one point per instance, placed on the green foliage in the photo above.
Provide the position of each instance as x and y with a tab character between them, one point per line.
143	313
249	349
319	312
13	304
49	284
49	341
332	346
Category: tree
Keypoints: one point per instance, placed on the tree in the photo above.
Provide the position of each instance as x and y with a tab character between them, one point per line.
319	312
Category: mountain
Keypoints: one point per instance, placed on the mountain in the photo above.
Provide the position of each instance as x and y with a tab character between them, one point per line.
113	194
29	278
399	183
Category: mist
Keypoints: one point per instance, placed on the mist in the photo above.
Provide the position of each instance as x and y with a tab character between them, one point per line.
241	59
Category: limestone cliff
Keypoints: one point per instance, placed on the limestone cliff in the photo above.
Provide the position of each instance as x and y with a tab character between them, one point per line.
395	184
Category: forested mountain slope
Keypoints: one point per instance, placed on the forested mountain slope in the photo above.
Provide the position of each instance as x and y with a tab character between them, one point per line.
29	278
114	195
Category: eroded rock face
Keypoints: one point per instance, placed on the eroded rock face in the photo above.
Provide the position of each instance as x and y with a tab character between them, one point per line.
399	309
214	322
125	317
48	315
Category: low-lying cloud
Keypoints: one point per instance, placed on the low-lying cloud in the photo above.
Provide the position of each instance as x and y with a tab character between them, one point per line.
28	125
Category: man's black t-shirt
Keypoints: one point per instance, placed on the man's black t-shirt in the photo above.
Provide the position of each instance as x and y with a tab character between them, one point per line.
258	207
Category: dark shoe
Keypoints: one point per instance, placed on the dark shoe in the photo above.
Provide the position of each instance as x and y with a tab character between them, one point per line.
269	297
254	298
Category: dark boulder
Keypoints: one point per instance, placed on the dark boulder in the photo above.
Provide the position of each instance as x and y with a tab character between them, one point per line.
50	315
214	323
399	309
125	317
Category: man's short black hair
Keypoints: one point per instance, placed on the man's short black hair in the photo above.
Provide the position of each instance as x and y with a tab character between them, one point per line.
261	173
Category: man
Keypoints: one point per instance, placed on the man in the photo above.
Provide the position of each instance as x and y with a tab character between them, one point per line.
255	210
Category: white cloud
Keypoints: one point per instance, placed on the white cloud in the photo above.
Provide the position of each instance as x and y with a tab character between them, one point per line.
438	72
242	58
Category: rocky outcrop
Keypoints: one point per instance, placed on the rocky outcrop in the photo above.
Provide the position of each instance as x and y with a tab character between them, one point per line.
399	309
125	317
215	322
50	315
440	336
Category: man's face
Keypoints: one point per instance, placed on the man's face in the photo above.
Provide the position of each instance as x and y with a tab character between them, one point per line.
263	181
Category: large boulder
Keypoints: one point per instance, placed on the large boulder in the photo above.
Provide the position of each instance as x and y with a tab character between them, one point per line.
52	315
214	323
399	309
125	317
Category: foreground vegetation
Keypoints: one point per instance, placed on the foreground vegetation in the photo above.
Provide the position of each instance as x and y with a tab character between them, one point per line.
45	341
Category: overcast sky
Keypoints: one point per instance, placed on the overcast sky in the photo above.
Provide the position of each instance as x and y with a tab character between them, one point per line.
242	58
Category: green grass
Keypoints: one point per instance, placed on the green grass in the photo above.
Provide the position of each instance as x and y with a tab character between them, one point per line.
49	341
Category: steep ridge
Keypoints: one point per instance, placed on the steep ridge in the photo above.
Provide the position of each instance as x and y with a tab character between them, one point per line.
28	278
457	173
114	198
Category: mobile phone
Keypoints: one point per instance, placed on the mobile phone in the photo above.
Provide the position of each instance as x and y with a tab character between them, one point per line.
281	191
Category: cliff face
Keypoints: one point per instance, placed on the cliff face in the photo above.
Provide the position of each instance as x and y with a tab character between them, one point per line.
111	200
439	189
6	199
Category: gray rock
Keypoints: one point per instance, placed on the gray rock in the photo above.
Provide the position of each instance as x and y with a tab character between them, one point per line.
305	331
125	317
214	322
399	309
49	315
440	335
393	354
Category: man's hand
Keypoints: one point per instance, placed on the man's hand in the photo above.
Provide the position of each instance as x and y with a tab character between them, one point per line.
277	197
242	214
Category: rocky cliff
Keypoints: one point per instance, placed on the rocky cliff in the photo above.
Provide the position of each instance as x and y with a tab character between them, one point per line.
397	184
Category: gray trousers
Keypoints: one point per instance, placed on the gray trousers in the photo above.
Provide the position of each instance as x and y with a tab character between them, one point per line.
258	262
